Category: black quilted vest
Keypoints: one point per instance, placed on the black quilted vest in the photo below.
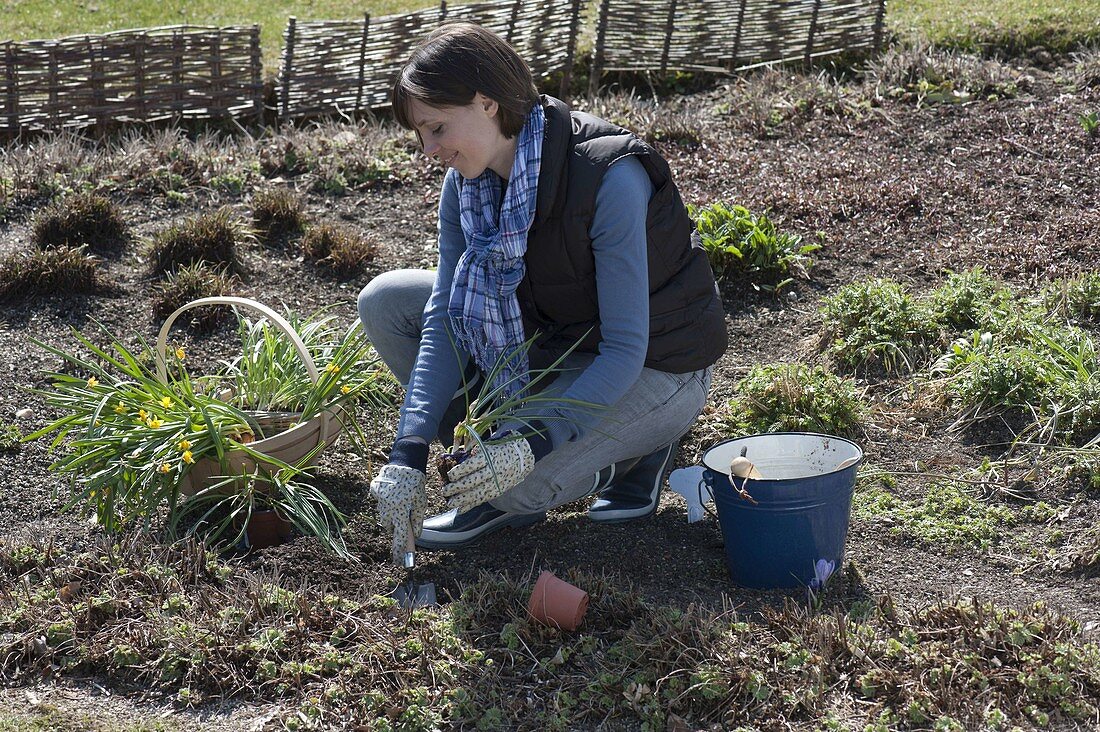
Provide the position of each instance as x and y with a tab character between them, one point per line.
557	297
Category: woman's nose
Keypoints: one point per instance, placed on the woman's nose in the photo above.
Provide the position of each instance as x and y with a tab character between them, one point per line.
431	149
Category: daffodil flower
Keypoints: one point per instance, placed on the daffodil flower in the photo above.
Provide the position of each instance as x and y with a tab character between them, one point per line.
332	368
165	467
143	415
120	409
153	423
166	402
180	354
345	389
184	445
187	457
92	382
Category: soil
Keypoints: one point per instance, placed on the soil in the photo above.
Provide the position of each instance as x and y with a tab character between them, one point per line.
902	191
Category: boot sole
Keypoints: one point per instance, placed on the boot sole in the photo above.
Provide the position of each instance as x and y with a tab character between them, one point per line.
457	540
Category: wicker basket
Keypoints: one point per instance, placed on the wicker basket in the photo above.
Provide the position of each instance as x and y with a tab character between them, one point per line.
292	440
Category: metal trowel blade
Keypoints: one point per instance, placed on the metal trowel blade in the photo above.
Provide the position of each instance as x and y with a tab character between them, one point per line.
411	596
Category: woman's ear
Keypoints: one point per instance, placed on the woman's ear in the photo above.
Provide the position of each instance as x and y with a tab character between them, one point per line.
488	104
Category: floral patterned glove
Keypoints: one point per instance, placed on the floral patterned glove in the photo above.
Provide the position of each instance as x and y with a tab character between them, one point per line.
488	473
402	502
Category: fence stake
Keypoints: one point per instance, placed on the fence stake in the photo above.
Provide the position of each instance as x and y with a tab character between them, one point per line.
139	75
512	19
177	72
13	88
288	64
813	31
256	63
570	51
442	11
878	25
597	57
669	25
98	101
362	62
55	112
217	92
737	35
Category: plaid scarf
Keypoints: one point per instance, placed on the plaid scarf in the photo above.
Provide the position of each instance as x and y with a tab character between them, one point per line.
483	308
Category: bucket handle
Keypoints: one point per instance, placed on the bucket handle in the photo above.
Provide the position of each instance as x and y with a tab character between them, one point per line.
276	320
741	492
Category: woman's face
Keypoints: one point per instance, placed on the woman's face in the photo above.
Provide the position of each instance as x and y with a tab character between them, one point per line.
466	138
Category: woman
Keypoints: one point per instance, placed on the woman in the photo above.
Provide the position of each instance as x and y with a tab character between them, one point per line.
553	223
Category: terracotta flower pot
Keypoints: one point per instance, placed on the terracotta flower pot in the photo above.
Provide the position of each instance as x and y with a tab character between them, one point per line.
266	528
557	603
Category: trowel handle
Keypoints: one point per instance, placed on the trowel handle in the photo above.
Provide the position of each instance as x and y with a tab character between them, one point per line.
410	547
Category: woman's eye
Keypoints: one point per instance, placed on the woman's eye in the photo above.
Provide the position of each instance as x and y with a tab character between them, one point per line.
437	130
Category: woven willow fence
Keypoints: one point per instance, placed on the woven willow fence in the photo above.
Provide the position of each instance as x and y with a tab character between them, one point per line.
347	66
727	35
126	76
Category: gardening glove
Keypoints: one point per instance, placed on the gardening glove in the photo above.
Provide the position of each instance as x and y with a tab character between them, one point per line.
402	502
492	471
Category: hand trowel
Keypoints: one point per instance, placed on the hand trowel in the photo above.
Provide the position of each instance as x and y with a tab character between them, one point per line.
411	594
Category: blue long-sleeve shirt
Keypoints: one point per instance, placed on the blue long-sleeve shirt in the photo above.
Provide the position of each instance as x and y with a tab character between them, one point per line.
619	248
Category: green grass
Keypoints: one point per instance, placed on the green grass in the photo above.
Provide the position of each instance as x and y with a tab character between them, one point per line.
26	19
1008	25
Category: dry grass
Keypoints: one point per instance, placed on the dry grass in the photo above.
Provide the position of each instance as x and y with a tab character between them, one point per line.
189	283
83	219
211	238
47	272
175	618
276	213
338	249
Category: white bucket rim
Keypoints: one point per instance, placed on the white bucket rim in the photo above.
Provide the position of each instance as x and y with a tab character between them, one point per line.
724	469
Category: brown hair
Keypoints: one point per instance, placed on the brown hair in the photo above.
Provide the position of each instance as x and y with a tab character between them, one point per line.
455	62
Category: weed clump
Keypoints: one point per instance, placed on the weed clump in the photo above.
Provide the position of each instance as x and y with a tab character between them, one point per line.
877	324
82	219
10	437
190	283
736	240
1076	298
63	271
796	398
337	248
212	238
275	214
925	74
970	299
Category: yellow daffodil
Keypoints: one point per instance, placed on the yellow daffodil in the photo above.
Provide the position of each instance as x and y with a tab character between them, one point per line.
345	389
332	368
185	445
153	423
92	382
187	457
120	409
180	354
165	467
166	402
143	415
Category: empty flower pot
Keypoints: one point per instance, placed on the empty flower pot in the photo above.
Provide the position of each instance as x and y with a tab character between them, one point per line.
557	603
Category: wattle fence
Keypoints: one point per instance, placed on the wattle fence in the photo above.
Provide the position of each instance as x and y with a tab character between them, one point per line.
346	67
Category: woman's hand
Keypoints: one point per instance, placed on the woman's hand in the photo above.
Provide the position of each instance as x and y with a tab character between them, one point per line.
491	471
402	502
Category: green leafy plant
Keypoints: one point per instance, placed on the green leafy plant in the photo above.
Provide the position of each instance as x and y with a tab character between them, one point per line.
1076	298
970	299
212	238
876	323
132	438
796	398
82	219
737	240
1090	123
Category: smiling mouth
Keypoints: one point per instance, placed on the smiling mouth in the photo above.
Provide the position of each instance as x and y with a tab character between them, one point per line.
450	159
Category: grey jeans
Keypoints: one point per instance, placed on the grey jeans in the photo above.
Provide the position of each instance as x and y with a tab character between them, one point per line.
657	409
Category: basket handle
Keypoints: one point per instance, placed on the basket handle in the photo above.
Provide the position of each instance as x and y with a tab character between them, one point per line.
277	320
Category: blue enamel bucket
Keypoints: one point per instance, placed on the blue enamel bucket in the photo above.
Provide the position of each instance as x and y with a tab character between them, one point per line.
793	530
